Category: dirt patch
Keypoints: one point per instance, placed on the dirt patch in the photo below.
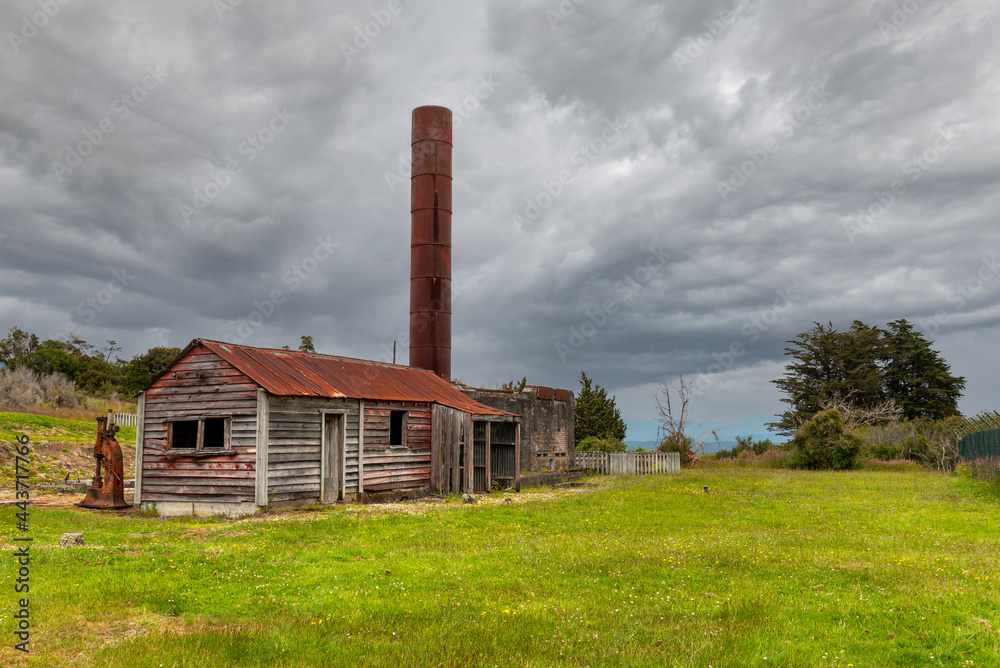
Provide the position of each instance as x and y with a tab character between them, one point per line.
58	499
53	462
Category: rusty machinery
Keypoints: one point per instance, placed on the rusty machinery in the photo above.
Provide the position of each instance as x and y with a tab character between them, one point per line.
107	490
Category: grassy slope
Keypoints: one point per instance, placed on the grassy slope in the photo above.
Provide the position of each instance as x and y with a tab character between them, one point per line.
48	428
805	569
61	446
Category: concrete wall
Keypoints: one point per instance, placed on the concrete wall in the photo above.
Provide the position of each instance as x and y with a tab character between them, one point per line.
547	424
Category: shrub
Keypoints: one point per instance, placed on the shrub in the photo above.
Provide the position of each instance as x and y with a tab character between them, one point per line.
678	443
822	443
747	444
58	390
20	388
986	469
932	444
600	444
773	458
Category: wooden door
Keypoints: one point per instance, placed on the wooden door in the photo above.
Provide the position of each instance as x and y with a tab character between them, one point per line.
332	486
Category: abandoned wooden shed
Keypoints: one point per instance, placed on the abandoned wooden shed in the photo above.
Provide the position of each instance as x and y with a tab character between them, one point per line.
232	429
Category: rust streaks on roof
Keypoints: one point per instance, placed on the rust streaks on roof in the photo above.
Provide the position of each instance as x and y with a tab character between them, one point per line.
296	373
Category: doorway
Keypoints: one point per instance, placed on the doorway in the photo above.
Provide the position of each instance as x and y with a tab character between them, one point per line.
332	458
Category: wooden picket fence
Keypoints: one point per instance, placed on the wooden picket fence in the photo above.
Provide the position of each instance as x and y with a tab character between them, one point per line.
629	463
126	419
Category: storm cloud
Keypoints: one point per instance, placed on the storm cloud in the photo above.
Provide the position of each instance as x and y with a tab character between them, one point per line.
642	189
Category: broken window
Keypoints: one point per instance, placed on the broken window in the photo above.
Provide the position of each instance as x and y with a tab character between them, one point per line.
215	433
206	433
397	427
184	434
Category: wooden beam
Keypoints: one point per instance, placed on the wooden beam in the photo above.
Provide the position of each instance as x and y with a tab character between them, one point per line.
489	456
361	449
470	449
137	497
517	456
260	491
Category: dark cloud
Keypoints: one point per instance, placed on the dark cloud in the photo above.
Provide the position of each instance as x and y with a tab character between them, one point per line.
647	184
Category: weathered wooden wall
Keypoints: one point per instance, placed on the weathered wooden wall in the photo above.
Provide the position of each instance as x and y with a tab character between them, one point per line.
295	437
452	463
386	467
205	385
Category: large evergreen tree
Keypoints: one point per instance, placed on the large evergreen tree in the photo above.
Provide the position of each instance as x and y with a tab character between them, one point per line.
917	378
596	413
864	367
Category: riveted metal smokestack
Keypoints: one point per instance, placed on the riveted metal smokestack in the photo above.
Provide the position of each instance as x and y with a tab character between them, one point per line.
430	241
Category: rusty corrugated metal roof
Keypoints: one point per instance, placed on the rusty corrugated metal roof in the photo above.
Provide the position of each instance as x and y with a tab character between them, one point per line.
298	374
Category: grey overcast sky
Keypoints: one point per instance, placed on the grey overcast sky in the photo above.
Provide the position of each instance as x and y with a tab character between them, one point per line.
642	189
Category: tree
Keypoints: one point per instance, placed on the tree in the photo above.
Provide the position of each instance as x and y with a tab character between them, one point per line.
673	416
867	369
142	368
14	349
823	443
306	344
596	413
53	356
598	444
917	378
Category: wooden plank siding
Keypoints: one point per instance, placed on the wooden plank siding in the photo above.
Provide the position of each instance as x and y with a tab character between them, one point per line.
295	438
201	384
388	467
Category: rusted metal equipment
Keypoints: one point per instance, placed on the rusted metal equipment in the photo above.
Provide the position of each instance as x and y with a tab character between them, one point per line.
107	490
430	241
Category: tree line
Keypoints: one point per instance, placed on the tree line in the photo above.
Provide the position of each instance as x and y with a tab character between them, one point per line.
94	371
882	393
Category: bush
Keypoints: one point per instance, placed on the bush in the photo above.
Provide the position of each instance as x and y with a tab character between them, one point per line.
680	444
822	443
59	391
599	444
986	469
932	444
20	388
747	444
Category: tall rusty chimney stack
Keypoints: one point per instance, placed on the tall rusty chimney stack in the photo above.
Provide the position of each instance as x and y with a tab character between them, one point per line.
430	241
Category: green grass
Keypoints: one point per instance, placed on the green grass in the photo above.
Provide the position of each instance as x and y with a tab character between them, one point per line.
46	428
770	568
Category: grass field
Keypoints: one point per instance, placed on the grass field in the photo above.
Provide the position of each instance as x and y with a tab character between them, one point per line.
770	568
48	428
